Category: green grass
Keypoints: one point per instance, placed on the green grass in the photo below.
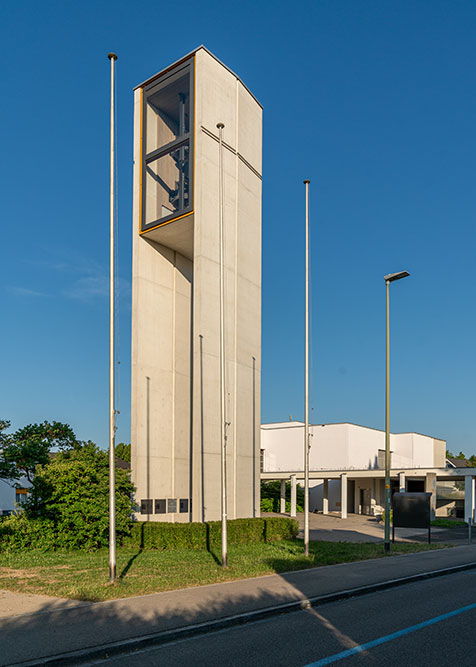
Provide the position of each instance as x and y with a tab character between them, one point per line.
448	523
84	576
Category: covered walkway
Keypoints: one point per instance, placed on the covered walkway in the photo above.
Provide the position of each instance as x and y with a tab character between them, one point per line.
361	491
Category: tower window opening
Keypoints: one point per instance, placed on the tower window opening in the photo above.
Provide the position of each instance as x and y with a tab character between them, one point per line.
167	147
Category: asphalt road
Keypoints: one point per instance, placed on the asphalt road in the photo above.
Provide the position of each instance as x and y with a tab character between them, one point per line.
317	636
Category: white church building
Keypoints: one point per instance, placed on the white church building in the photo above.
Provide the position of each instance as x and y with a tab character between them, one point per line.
347	467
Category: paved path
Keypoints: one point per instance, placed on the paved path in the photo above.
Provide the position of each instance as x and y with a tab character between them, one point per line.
58	627
360	528
15	604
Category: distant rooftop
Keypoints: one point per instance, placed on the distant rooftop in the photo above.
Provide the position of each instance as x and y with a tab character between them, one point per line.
460	463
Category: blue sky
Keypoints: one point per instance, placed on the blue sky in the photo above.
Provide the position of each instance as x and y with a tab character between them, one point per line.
374	101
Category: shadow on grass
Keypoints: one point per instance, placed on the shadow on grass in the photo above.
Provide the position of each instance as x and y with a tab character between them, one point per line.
210	548
132	559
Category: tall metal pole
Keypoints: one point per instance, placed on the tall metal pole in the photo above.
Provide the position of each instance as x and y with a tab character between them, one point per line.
306	388
112	410
387	427
391	277
224	542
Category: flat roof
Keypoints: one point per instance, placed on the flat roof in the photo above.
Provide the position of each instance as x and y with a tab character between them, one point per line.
187	57
291	424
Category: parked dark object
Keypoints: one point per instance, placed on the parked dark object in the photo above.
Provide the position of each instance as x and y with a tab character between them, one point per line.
411	510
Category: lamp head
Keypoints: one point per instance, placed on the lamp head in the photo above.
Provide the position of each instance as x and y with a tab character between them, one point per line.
395	276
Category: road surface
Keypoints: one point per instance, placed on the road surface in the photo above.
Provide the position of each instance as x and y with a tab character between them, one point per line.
365	627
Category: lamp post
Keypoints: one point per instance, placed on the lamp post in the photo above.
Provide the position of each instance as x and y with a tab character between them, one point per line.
224	424
112	408
388	279
306	387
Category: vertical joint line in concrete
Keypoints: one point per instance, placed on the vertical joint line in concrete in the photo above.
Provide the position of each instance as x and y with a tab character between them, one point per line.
174	305
235	306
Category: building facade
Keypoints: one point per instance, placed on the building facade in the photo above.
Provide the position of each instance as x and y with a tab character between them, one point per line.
347	467
13	495
176	425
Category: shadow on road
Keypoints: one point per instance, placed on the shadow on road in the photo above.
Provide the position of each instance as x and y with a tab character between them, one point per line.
58	628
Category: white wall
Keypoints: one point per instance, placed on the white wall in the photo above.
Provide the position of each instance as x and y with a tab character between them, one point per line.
316	488
422	450
7	496
344	447
283	446
7	493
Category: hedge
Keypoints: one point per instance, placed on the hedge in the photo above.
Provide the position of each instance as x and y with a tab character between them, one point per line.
18	533
160	535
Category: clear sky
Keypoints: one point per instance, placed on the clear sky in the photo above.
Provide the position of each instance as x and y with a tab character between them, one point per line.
373	100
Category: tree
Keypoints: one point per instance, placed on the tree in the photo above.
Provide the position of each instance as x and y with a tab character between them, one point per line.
31	445
71	492
123	451
7	468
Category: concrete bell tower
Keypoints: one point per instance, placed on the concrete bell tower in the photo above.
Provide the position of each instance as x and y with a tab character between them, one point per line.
176	425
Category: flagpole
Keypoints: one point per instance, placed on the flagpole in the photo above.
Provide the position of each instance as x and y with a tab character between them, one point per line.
224	544
112	411
306	388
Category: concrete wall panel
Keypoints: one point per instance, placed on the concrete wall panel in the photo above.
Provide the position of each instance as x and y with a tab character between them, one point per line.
176	302
249	117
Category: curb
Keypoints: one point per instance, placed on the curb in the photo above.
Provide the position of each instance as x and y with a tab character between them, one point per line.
116	648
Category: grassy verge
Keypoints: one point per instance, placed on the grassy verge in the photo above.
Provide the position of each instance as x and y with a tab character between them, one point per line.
84	576
448	523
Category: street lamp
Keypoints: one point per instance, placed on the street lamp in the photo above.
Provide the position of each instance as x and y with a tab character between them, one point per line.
388	279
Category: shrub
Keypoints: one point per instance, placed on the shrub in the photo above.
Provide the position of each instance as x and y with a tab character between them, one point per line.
267	505
18	533
70	495
383	516
271	497
161	535
280	528
239	531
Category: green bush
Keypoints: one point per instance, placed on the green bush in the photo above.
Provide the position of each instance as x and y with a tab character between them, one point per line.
73	492
18	533
267	505
271	497
391	516
161	536
240	531
280	528
69	504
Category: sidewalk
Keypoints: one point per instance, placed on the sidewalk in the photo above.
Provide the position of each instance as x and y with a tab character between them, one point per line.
361	528
62	626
